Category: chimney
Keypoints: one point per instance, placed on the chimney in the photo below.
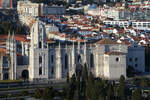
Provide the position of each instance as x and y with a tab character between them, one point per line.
11	4
0	3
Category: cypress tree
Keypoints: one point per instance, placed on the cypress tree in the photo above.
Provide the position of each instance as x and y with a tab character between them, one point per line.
137	95
121	89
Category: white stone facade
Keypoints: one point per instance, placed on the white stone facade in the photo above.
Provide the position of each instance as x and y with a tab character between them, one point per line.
44	60
28	8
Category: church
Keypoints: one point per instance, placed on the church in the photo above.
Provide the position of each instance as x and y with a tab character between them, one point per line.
36	58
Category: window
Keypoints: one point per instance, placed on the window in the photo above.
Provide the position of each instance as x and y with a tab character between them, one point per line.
139	25
125	24
40	71
136	59
66	61
117	59
52	58
40	44
91	60
144	24
79	58
148	24
136	65
134	24
130	59
52	71
40	59
6	76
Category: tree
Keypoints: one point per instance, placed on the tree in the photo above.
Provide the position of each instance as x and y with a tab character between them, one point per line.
37	1
110	93
89	86
148	97
70	89
144	82
130	71
25	93
121	88
83	83
122	79
38	93
18	28
137	95
136	81
85	72
48	93
67	81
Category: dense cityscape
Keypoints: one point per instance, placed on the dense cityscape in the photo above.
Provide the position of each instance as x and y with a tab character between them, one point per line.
74	50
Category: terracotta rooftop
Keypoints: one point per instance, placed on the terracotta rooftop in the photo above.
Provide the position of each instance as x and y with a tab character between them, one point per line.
2	50
17	37
50	41
115	53
106	41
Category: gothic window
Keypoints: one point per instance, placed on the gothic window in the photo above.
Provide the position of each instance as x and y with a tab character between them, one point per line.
40	71
5	61
79	58
66	61
52	71
40	59
91	60
6	76
52	58
40	44
25	74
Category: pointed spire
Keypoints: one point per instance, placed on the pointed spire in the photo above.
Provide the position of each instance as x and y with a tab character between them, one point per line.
59	46
9	36
73	45
8	42
84	44
66	46
84	52
13	36
90	45
78	46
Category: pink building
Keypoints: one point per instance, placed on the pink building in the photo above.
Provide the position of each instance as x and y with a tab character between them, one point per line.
6	3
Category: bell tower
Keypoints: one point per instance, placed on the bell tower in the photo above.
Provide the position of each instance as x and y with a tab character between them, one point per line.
11	51
38	68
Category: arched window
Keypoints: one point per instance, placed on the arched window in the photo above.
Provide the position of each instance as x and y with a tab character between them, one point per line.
25	74
52	71
40	71
40	59
6	76
52	58
91	60
40	44
66	61
79	58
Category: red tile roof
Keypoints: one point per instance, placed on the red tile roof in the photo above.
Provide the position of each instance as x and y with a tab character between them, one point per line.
115	53
106	41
